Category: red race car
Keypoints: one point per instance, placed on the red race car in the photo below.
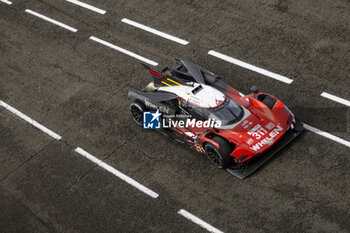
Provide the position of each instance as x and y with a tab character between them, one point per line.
196	108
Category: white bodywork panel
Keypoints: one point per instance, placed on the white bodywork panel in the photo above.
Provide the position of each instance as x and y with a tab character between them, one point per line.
206	97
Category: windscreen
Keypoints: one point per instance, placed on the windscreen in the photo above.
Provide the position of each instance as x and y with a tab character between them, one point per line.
228	112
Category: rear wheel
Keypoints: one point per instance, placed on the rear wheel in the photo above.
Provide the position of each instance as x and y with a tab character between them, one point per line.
136	109
219	157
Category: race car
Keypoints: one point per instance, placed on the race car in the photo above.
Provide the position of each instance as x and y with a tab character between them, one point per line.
237	132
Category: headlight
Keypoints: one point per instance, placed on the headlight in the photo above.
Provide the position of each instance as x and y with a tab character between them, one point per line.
289	112
291	116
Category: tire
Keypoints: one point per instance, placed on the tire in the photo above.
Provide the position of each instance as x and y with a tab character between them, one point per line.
220	158
136	109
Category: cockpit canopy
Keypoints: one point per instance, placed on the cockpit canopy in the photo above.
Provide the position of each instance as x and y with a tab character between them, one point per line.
228	112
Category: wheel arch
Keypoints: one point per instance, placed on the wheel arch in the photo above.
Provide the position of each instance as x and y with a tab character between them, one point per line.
216	144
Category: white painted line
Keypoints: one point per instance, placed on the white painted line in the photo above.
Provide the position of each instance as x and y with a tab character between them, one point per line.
198	221
154	31
335	98
65	26
30	121
7	2
87	6
251	67
327	135
117	173
127	52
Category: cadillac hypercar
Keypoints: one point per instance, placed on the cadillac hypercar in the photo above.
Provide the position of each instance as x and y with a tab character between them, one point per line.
237	132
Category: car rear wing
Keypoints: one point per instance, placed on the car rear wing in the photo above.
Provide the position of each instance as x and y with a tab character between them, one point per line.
158	76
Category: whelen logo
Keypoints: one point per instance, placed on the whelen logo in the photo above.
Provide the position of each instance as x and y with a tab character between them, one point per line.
267	140
160	108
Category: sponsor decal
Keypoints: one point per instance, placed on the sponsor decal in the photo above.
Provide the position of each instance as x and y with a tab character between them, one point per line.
257	132
270	126
191	135
199	148
218	102
151	120
268	140
154	106
244	122
250	141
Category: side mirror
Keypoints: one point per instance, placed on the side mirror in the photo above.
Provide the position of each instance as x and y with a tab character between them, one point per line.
254	89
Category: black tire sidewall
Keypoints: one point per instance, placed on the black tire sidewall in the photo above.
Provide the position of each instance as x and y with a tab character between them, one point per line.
140	106
211	146
223	152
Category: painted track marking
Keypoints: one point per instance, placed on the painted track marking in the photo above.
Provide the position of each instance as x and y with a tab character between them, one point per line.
250	67
327	135
336	98
115	172
127	52
198	221
6	1
30	120
155	31
65	26
87	6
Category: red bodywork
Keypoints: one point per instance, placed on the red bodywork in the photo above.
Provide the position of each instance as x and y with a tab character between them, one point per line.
254	135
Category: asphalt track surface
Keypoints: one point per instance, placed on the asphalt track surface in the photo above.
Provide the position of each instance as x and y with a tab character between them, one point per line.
77	88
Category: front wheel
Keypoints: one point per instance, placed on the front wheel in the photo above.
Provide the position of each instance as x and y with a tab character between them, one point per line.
219	157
